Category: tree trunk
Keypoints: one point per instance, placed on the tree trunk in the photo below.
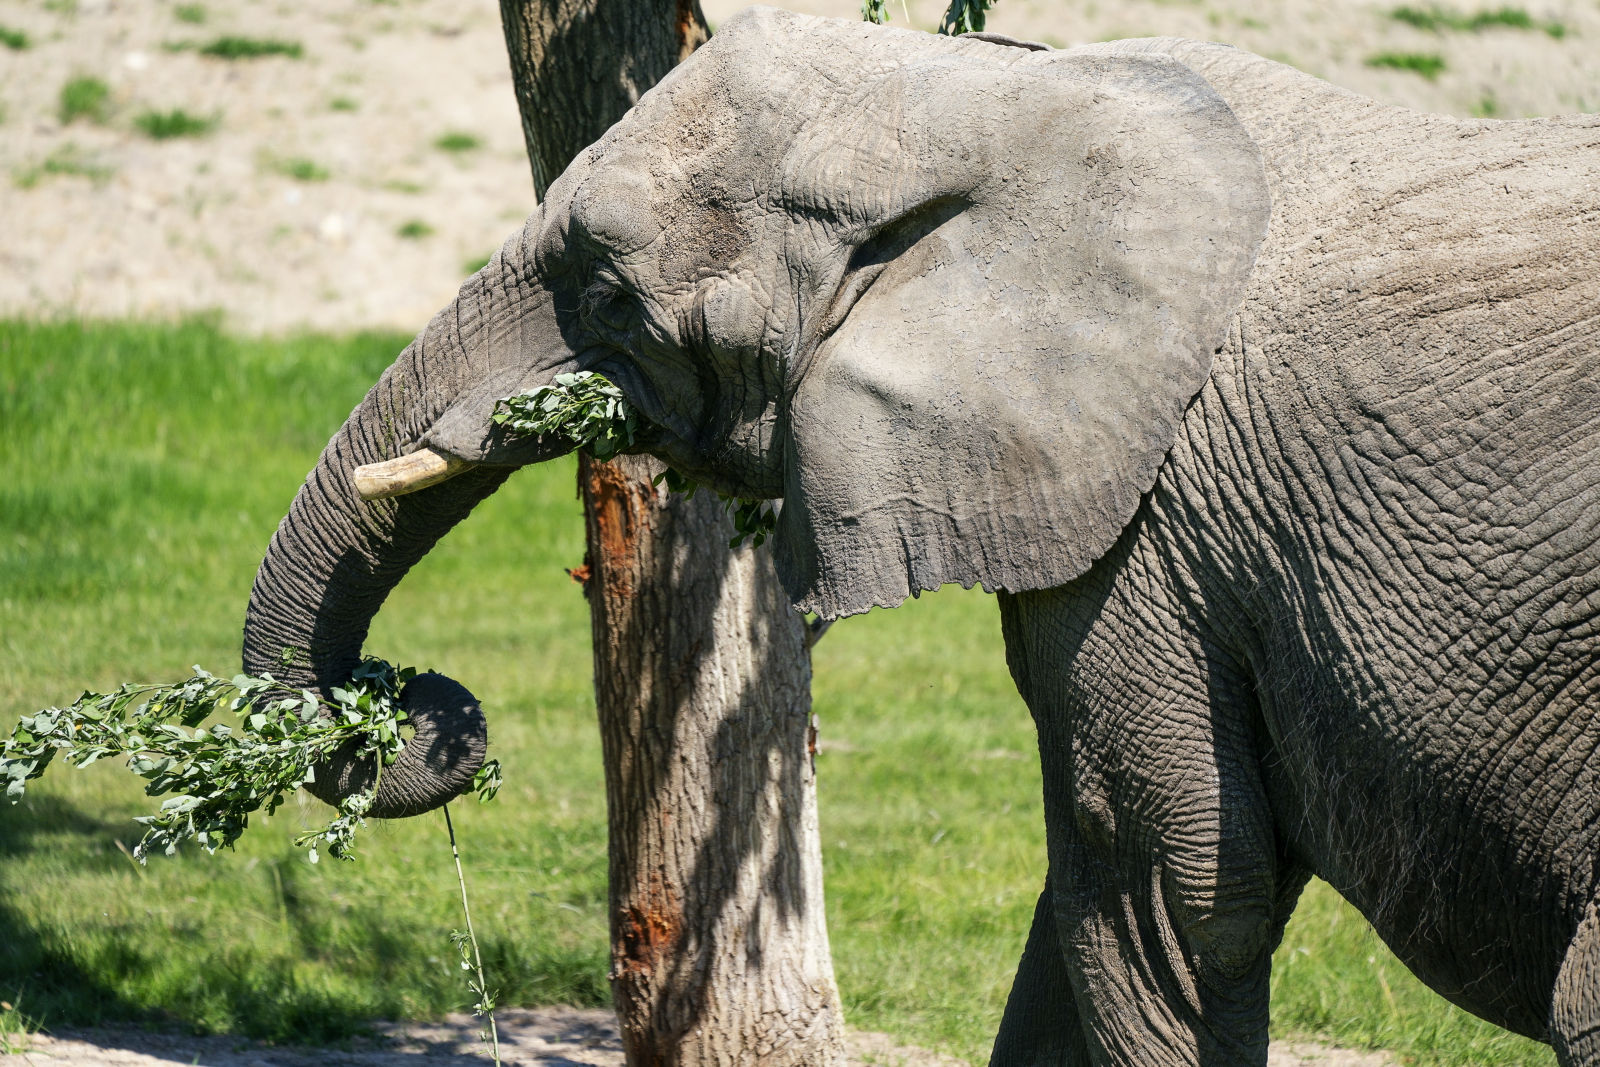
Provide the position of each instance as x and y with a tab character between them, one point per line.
578	65
719	942
702	674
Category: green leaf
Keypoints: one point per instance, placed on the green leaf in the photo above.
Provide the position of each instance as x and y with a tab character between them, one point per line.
487	782
218	775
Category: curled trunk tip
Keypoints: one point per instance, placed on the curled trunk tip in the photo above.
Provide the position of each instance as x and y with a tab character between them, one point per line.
437	765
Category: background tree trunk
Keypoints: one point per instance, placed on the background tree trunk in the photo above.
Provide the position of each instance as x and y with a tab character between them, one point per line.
719	943
578	65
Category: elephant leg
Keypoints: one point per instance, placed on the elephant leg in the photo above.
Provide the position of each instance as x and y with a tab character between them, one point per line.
1170	881
1575	1004
1169	930
1040	1027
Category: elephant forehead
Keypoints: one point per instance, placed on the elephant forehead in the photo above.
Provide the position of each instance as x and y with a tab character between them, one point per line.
667	196
774	105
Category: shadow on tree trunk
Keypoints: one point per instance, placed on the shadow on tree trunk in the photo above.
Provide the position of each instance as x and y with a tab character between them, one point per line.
720	949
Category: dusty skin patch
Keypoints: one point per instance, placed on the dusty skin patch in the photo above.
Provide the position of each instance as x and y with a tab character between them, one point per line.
546	1037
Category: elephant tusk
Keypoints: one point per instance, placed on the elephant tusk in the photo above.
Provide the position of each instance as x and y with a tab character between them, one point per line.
407	474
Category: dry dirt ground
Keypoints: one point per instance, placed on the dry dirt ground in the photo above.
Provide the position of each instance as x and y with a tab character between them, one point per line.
97	218
548	1037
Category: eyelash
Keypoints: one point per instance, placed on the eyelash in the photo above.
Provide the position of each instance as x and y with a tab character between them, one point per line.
598	294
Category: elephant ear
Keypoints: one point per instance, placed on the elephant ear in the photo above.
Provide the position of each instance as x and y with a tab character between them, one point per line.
1029	332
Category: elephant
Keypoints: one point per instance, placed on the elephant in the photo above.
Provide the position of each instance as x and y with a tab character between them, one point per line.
1270	413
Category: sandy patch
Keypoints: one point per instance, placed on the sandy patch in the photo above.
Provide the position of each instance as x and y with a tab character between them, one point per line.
547	1037
1496	72
189	224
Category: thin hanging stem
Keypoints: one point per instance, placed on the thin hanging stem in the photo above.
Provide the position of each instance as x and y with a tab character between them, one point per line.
485	1004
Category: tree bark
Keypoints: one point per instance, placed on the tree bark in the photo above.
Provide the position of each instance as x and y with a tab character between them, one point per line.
703	679
578	65
719	943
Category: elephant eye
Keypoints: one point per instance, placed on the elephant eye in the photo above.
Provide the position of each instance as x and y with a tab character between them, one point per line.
599	293
601	305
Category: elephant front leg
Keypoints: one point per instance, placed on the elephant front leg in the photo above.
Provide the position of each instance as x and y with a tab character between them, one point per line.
1575	1005
1170	894
1170	971
1169	887
1040	1027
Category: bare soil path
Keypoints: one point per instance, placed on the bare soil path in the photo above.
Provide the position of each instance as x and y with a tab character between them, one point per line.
545	1037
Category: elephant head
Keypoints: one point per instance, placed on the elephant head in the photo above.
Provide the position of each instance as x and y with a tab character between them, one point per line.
947	298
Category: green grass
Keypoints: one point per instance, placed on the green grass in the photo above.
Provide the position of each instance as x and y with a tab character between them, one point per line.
16	1027
300	169
149	547
414	230
251	48
476	263
343	103
68	161
15	40
148	466
1334	980
1438	19
191	13
456	141
84	98
1427	64
164	125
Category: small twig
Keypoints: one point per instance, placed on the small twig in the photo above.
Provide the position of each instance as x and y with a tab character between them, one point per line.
283	903
484	1001
124	850
815	628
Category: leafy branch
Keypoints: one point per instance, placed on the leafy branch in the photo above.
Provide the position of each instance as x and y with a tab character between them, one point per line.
965	16
467	947
962	16
591	412
584	407
215	777
218	775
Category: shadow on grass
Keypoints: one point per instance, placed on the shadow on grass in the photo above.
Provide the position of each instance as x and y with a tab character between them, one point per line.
35	973
73	974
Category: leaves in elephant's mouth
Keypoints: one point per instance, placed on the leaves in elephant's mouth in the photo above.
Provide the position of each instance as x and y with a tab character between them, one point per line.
216	776
751	518
584	407
591	412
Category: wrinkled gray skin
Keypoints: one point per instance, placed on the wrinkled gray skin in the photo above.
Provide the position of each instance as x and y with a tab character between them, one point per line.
1272	412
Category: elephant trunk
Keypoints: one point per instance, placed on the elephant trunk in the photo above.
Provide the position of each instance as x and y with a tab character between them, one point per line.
335	557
